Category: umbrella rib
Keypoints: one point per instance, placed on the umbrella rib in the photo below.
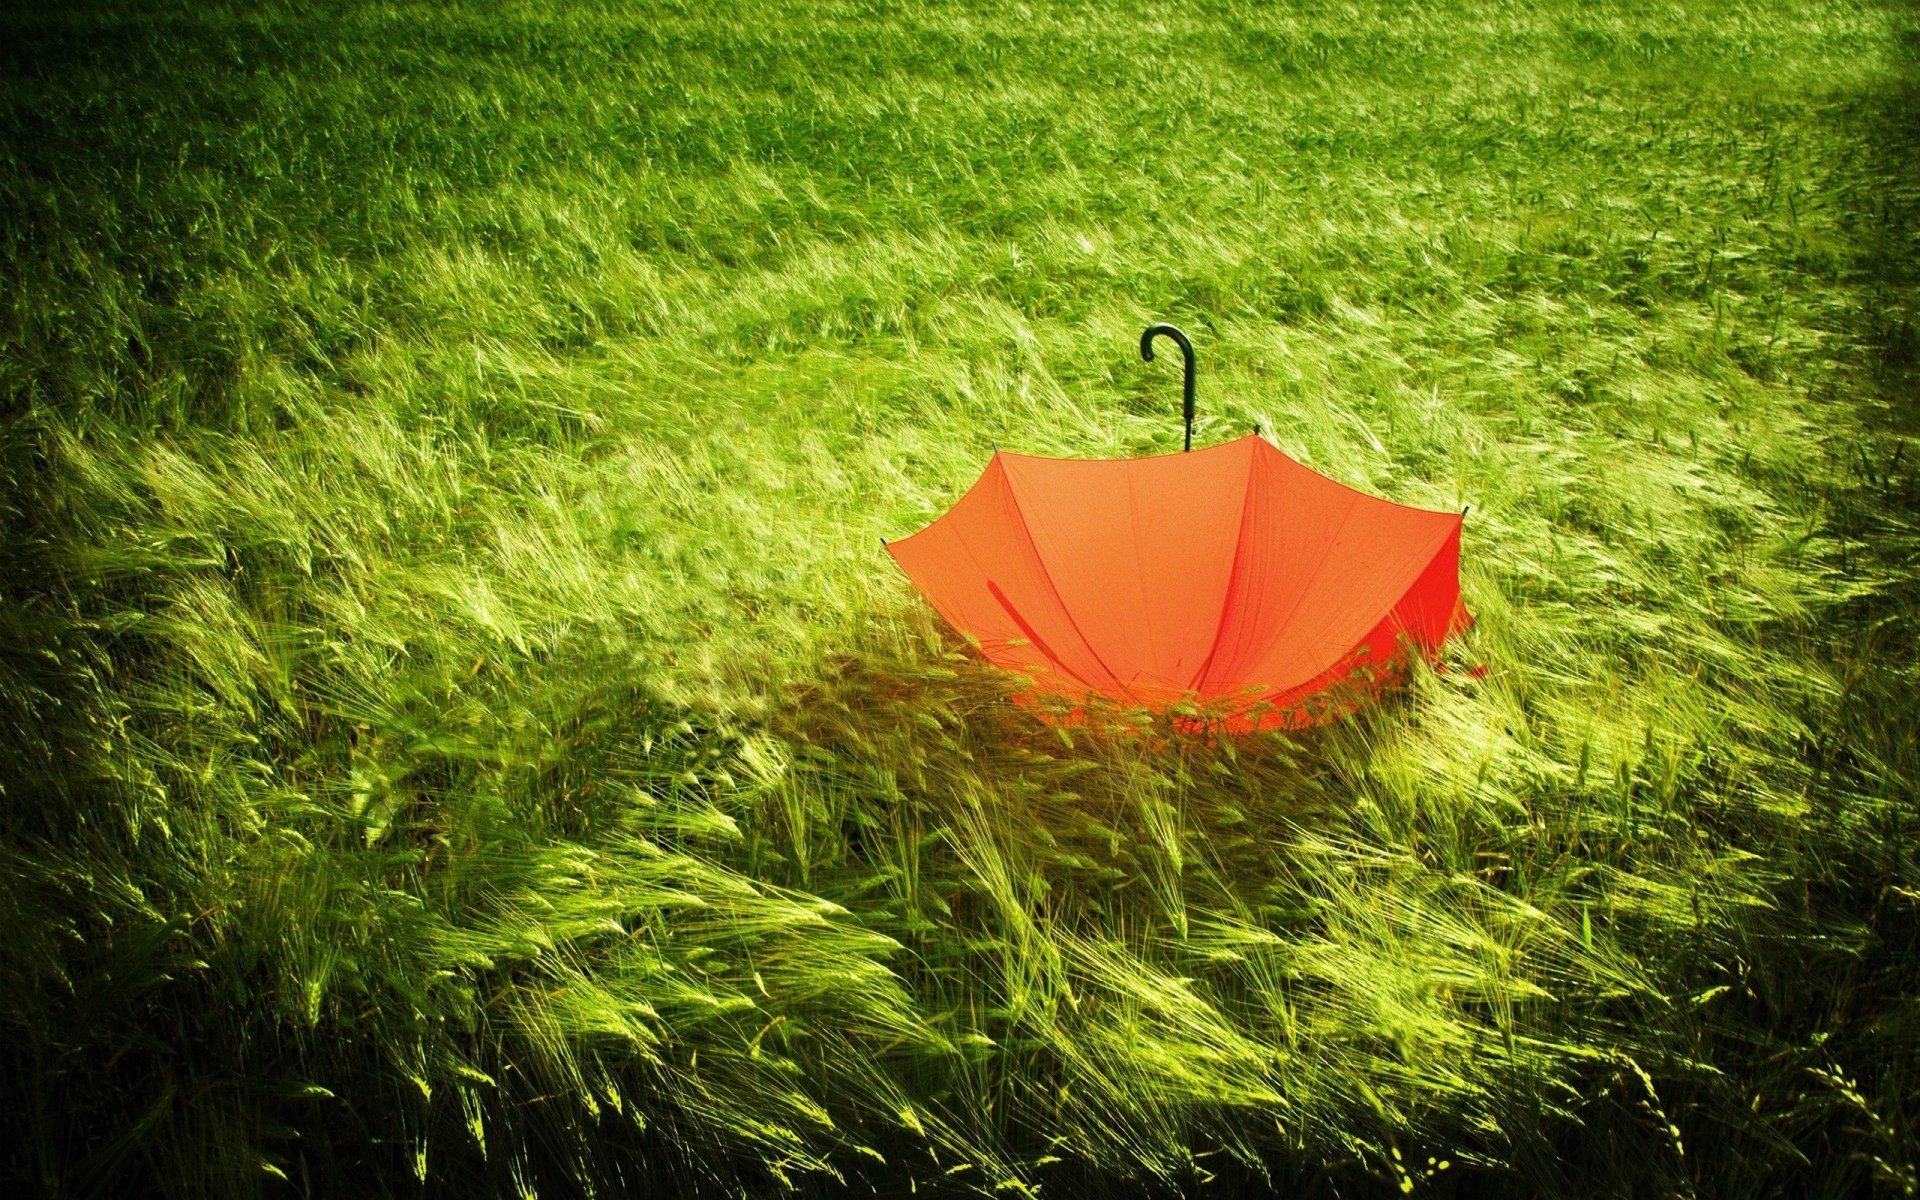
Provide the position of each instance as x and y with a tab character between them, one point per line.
1326	551
1346	662
1046	573
1033	635
1233	581
1000	596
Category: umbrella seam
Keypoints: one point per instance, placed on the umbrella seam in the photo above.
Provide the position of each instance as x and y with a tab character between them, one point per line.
1355	496
1046	573
1233	579
1033	635
1139	578
1326	551
1282	697
1000	595
993	589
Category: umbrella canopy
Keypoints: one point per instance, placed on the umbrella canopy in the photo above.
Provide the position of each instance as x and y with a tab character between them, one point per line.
1232	575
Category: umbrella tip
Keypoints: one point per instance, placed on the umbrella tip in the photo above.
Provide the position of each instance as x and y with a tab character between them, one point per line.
883	543
1465	509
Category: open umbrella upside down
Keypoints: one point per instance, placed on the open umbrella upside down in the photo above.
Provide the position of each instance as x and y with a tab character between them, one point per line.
1232	578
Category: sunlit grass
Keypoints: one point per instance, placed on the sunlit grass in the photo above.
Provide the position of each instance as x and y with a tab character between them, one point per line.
460	723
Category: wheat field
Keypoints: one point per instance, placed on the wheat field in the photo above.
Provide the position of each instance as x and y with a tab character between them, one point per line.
460	733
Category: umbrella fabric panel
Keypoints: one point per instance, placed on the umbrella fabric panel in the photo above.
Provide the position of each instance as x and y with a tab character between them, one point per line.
1319	566
1422	620
1432	609
1141	552
978	567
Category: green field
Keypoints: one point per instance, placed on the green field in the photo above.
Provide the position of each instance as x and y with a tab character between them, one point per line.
460	733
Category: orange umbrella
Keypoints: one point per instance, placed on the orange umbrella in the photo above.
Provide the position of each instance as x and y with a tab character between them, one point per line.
1233	576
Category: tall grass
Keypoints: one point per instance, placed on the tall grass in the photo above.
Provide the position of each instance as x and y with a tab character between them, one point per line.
459	733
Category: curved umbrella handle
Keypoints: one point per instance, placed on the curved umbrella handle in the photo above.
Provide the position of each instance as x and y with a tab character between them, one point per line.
1186	351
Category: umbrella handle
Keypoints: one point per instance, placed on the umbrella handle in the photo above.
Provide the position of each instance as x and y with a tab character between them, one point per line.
1186	352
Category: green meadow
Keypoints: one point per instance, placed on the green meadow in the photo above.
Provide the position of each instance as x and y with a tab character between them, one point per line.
461	735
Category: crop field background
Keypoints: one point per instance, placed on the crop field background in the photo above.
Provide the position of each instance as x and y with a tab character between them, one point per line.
460	733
